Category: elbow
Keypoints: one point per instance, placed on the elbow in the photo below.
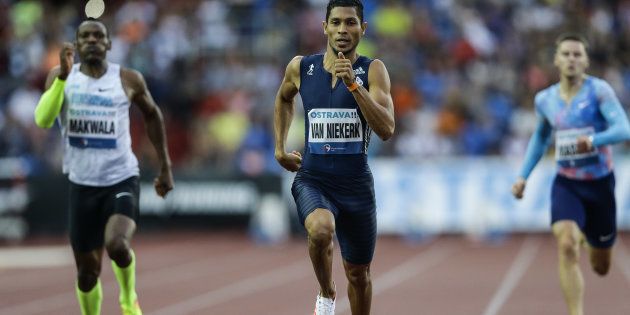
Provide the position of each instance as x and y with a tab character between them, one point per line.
387	133
42	123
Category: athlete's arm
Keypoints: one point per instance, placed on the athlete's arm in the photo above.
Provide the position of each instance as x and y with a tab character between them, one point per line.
138	93
618	127
537	146
51	101
376	104
283	114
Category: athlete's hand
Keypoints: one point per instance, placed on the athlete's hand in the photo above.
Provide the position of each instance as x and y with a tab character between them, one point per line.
163	183
584	144
343	69
66	59
290	161
518	188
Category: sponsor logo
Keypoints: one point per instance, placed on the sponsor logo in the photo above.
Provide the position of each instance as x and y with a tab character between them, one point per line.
359	71
310	69
606	238
123	194
104	89
359	81
582	105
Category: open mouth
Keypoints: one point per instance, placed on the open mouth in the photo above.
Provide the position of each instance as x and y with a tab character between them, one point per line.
342	41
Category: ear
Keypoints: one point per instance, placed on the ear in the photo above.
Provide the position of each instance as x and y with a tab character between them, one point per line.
324	25
363	27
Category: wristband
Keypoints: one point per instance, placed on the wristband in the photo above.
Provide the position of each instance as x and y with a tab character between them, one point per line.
353	86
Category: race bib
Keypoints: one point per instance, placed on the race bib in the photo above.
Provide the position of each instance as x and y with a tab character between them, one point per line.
92	126
335	131
566	148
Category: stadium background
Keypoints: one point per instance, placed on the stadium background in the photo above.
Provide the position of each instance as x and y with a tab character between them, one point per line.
463	74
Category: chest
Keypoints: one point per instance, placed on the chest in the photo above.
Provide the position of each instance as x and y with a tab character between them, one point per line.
581	111
320	89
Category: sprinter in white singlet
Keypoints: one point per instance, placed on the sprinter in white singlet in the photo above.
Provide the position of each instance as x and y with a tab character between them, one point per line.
91	101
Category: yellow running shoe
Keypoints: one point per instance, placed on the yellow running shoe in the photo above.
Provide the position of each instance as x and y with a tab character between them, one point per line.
131	309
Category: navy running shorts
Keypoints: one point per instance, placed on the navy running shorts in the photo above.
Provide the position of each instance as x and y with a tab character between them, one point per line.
91	207
589	203
351	201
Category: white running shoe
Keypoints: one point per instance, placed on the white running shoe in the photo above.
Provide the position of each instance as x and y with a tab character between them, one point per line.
324	306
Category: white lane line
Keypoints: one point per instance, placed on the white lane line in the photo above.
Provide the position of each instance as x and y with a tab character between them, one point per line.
35	257
622	258
275	277
403	272
60	300
525	256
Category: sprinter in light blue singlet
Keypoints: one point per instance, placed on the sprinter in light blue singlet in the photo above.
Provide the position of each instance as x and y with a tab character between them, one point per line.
587	118
345	97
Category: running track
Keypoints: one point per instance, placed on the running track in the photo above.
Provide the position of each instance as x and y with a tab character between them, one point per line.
225	273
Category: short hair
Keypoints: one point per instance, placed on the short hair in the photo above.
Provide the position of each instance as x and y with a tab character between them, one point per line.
91	19
356	4
572	36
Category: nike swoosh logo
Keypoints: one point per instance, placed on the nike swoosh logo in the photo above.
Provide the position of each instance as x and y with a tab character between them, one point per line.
605	238
103	90
122	194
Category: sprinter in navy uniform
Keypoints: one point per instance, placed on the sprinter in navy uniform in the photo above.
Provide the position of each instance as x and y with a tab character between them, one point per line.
345	97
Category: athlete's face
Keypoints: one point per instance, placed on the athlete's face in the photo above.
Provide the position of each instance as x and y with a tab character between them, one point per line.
92	42
571	58
344	29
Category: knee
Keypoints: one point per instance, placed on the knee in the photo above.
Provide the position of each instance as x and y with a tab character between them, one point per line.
87	276
320	232
118	249
568	249
601	267
359	277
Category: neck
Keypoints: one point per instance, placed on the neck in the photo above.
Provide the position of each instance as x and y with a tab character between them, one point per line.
94	69
571	84
331	55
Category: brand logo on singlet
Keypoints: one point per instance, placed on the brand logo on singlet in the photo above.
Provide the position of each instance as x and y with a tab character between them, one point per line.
359	81
310	69
359	71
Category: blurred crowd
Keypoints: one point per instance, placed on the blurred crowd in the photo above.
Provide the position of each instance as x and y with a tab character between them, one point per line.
463	73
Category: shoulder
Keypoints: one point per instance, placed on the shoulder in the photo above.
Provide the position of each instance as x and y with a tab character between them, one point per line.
545	93
602	88
376	64
131	77
293	68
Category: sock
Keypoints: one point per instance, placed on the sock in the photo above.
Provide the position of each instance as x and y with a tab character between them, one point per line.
126	281
90	302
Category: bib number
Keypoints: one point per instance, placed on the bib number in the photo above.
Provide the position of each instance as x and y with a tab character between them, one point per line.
335	131
566	148
92	127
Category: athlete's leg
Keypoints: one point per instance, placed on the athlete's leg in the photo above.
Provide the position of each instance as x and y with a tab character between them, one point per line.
568	237
359	287
118	233
600	259
88	286
320	226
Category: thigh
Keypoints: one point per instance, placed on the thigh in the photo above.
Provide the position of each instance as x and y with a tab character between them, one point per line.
356	229
566	203
309	195
601	214
123	198
87	221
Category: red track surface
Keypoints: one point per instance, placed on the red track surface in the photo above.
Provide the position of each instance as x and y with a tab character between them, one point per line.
224	274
